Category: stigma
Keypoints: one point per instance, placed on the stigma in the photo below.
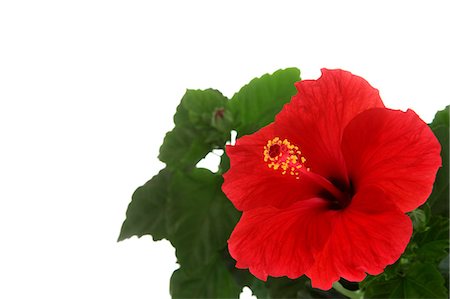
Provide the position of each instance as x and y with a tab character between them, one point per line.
281	155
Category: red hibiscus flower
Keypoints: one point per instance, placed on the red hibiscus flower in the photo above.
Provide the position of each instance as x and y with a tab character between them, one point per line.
325	188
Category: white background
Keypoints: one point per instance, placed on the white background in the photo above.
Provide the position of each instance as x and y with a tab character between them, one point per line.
88	90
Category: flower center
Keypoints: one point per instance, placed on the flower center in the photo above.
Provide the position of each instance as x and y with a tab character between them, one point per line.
281	155
339	200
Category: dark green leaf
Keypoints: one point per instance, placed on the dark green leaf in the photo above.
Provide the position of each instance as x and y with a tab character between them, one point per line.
201	217
420	281
210	280
444	270
257	103
224	163
284	288
146	214
439	199
299	288
259	289
427	248
243	277
433	244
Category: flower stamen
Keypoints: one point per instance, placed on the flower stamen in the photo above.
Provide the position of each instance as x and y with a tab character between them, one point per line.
284	156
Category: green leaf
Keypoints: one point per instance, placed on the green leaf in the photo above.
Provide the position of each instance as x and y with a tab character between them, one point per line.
201	217
259	289
182	148
146	213
224	163
419	219
420	281
283	287
429	245
211	280
257	103
444	269
202	123
300	288
433	244
441	119
439	199
245	279
203	106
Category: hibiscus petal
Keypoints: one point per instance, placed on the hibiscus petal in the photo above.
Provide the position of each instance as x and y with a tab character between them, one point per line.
280	242
395	151
317	115
368	235
250	183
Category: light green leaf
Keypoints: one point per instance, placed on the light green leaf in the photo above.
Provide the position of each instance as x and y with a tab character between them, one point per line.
419	219
202	123
257	103
202	106
146	213
183	148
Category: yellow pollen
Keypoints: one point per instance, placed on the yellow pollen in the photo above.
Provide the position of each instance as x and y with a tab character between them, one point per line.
281	154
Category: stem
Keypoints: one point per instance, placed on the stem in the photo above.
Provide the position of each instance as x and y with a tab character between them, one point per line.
350	294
